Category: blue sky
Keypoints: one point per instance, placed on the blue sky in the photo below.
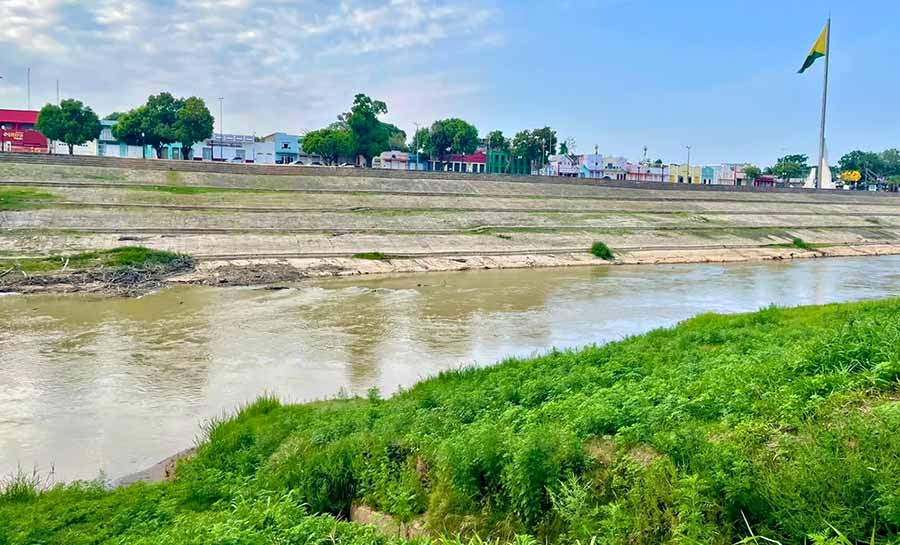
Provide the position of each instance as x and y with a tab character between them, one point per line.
619	74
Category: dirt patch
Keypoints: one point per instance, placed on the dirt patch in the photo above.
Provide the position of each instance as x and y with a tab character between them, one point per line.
386	524
643	454
601	449
159	472
118	282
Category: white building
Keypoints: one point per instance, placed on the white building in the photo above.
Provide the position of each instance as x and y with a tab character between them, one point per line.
88	148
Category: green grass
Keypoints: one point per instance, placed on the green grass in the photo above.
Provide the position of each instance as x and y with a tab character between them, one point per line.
191	190
117	258
602	251
14	198
377	256
783	420
798	242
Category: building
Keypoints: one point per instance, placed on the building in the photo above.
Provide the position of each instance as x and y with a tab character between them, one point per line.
232	148
391	160
109	146
416	162
682	174
61	148
567	166
643	172
501	162
286	147
468	162
18	132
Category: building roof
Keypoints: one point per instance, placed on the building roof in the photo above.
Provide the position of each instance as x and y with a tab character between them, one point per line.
19	116
477	157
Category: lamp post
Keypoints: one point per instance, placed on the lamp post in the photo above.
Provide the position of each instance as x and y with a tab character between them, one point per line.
688	177
221	130
143	147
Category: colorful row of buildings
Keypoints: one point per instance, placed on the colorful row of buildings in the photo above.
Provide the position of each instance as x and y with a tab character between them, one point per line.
18	134
593	165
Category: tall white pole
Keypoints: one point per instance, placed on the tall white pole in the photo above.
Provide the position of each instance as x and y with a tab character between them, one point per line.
819	169
221	130
28	88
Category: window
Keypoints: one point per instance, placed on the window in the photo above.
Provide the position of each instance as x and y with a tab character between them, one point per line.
285	146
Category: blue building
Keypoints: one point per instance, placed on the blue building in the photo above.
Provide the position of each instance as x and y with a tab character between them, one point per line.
287	147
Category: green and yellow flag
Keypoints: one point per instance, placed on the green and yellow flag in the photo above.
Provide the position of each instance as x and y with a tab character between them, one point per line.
819	49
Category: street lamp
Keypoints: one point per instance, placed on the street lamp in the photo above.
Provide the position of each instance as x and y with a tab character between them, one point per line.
688	177
143	147
221	130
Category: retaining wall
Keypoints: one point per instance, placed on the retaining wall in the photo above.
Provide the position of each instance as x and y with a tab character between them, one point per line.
288	170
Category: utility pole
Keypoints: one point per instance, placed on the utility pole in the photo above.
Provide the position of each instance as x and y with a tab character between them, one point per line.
28	88
819	168
221	130
57	92
688	177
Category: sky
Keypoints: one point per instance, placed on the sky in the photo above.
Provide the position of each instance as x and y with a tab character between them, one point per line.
717	75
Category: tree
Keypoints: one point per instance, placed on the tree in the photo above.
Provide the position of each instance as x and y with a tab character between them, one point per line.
154	123
193	124
329	143
863	161
790	166
546	140
451	135
71	122
526	146
421	140
113	116
397	141
497	142
371	136
752	172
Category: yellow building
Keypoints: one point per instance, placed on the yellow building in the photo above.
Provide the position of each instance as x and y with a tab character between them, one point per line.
678	174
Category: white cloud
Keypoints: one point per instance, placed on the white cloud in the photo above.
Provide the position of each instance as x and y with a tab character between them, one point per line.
280	64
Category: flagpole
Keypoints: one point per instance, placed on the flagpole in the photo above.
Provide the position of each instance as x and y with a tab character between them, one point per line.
819	169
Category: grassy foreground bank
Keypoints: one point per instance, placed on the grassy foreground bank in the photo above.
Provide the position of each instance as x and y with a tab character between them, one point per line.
786	422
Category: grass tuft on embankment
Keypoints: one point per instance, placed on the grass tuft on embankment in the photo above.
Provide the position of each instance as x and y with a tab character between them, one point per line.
374	256
783	420
601	250
118	258
15	198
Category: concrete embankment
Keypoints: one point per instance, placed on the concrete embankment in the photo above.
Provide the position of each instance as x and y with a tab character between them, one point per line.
263	224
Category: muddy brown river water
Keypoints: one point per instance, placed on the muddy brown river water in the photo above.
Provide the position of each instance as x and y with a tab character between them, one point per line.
90	385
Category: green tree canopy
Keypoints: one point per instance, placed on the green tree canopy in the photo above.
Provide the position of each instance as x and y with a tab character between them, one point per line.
329	143
370	135
864	161
113	116
497	142
790	166
422	141
193	123
154	123
526	145
752	172
71	122
452	135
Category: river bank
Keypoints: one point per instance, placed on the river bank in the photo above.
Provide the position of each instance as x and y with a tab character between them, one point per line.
253	227
275	271
702	430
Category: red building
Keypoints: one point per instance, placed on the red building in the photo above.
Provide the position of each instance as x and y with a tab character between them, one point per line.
18	132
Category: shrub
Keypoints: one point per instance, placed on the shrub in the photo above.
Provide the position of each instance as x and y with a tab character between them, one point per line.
602	251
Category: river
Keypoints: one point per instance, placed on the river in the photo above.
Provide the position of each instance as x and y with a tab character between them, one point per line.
93	384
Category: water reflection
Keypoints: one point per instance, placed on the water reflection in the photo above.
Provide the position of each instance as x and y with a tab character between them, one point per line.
116	384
